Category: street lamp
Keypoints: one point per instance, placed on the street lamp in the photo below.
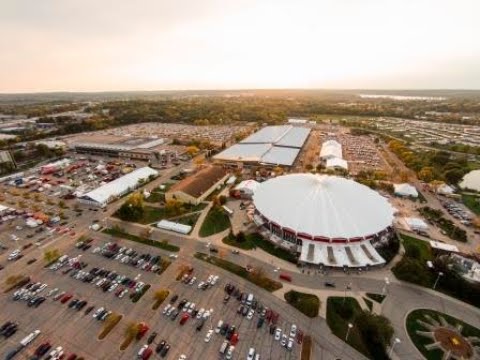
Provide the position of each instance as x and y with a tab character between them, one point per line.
350	326
387	282
438	278
395	342
347	287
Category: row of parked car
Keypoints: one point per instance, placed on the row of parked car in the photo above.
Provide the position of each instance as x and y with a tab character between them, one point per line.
128	256
211	281
31	294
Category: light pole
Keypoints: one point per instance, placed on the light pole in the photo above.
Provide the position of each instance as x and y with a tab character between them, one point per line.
350	326
438	278
347	287
395	342
387	282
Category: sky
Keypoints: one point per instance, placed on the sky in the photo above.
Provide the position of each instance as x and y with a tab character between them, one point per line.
116	45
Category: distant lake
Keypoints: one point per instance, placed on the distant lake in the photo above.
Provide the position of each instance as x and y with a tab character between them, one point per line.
471	180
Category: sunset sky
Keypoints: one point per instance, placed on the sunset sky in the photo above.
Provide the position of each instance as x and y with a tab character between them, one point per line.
97	45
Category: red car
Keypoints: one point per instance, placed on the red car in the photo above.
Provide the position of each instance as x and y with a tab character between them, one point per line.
285	277
146	354
65	298
184	319
72	357
142	330
234	339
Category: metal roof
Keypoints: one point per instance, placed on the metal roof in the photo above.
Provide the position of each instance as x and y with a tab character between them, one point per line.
269	134
280	156
295	137
244	152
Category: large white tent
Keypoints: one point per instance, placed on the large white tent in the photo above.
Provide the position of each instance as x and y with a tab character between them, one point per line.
336	163
327	207
331	149
118	187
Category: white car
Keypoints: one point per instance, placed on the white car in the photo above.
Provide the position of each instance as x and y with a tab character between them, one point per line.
123	293
250	314
165	310
207	314
186	307
192	281
200	313
290	344
229	354
284	340
173	256
112	287
219	326
200	284
191	308
250	354
141	351
214	280
52	292
293	331
278	334
208	336
97	312
182	357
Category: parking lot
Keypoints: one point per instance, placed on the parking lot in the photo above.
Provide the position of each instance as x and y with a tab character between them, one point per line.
77	333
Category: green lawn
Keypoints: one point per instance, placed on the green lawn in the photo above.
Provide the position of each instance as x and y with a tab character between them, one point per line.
420	341
159	244
307	304
156	197
258	279
472	202
190	219
338	317
410	243
153	214
216	221
255	240
376	297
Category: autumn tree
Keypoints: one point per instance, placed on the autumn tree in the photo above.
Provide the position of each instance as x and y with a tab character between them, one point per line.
133	208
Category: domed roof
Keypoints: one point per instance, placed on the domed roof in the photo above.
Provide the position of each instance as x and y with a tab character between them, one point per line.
321	205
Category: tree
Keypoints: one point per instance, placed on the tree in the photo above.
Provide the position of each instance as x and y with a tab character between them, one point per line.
426	174
192	150
173	207
376	331
222	199
132	329
51	255
241	237
453	176
133	208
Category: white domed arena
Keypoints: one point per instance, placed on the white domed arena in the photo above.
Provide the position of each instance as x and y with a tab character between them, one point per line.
330	221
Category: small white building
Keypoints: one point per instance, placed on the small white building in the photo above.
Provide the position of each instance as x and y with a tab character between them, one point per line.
336	163
247	188
445	189
405	190
416	224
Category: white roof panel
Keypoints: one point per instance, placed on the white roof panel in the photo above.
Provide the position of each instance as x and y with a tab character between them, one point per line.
173	226
269	134
295	137
280	156
321	205
244	152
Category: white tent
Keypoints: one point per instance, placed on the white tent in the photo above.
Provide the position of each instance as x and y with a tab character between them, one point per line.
336	163
247	187
173	226
405	190
445	189
331	149
416	224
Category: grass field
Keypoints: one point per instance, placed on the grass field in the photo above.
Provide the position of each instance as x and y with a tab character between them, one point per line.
159	244
255	240
216	221
261	281
307	304
338	319
472	202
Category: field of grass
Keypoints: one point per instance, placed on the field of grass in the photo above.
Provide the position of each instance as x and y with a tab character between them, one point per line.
472	202
307	304
216	221
260	280
159	244
255	240
420	341
338	317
